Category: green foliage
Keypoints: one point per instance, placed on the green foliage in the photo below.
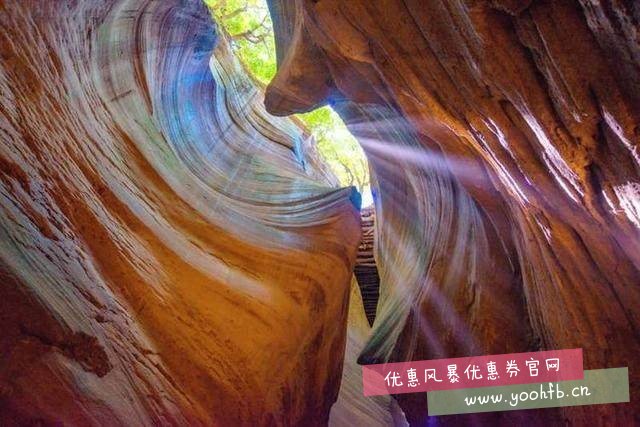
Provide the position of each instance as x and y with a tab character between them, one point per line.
249	27
338	147
250	30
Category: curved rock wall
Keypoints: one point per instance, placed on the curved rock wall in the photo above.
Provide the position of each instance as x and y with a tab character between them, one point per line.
503	137
169	252
353	408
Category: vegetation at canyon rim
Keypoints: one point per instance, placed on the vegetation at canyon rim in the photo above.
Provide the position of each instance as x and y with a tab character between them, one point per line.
249	27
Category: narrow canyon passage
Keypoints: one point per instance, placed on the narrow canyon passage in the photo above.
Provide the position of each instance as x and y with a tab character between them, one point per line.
176	250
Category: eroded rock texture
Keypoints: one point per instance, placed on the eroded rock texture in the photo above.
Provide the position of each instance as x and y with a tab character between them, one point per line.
503	137
169	252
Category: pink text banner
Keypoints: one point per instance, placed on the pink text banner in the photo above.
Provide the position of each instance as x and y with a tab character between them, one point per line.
472	372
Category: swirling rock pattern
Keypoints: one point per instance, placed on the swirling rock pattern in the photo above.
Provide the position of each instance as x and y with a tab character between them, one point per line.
169	252
503	137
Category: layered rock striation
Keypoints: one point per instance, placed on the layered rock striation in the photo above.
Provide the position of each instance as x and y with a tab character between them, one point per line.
503	138
170	254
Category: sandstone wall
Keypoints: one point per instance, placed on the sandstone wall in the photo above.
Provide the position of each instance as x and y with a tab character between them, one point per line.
503	137
170	254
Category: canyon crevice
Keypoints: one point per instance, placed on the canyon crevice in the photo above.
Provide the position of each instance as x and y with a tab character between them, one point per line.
173	251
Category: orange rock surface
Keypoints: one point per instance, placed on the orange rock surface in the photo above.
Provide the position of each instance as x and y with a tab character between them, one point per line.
503	137
170	254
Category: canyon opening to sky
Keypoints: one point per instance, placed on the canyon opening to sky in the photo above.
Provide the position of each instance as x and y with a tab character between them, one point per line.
248	26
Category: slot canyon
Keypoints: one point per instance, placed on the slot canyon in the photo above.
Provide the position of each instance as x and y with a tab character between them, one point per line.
175	251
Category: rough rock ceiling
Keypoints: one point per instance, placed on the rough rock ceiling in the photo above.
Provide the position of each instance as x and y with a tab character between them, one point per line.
503	136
